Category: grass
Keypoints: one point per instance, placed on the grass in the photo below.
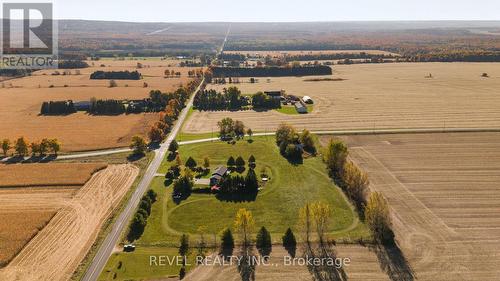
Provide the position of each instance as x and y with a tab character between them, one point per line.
290	109
276	207
139	265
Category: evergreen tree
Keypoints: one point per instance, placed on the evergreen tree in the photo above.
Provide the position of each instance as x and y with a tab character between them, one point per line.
227	243
264	243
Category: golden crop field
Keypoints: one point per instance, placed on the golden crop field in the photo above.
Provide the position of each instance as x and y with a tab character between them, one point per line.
17	228
21	100
61	174
445	199
372	96
57	249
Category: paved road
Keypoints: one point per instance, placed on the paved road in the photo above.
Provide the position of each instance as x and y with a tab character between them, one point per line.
111	240
371	132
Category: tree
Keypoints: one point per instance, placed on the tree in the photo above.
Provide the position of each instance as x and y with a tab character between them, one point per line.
206	163
378	218
249	133
226	127
155	134
251	181
227	243
191	163
240	163
307	141
44	146
112	83
35	148
21	146
335	157
178	160
289	242
321	214
184	245
6	146
183	185
239	129
285	133
244	224
173	146
55	146
231	162
264	242
251	160
184	248
356	183
306	223
138	144
136	227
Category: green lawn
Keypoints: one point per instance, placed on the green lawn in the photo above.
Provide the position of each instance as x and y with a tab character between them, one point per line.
290	109
276	207
144	263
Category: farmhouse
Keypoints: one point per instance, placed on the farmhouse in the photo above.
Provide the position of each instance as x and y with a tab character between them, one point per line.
218	175
300	107
275	94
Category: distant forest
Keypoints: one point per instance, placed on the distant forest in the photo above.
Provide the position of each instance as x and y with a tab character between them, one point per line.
220	72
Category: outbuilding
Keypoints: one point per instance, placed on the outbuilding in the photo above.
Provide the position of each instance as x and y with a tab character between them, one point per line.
307	100
300	107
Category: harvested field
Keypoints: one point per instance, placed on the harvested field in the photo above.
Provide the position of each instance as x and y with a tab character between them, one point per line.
378	96
55	252
21	100
364	266
445	196
24	175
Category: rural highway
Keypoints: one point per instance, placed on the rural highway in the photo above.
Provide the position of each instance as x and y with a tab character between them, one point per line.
106	248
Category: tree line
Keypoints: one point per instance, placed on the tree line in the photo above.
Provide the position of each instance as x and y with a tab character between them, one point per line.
354	182
116	75
57	108
270	71
141	216
22	147
232	99
72	64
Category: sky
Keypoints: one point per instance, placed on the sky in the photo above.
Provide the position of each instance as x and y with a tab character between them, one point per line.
274	10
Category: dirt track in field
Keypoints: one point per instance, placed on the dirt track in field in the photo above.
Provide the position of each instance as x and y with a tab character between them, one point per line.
55	252
378	96
364	266
445	194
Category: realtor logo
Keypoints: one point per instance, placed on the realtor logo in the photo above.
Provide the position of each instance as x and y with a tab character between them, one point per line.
29	38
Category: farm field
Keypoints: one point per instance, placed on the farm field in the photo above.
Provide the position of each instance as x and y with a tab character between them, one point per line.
57	249
36	174
21	99
444	193
378	96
